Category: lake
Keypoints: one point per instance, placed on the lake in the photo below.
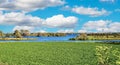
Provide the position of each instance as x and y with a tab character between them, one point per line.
52	38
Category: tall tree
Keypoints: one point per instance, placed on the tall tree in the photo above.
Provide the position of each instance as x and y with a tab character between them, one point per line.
82	36
1	34
17	34
25	32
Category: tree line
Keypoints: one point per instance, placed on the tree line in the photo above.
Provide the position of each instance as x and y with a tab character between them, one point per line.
27	33
97	36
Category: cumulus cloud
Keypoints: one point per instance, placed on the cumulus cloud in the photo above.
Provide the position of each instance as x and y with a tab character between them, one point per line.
101	26
94	12
23	28
42	31
82	31
65	31
21	19
28	5
96	24
115	27
59	21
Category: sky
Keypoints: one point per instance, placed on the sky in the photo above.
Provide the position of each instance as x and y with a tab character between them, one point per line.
64	16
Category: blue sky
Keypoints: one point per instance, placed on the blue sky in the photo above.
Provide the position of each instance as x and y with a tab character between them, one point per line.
60	15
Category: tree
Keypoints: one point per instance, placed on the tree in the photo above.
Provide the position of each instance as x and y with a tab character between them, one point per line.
82	36
25	32
17	34
7	35
1	34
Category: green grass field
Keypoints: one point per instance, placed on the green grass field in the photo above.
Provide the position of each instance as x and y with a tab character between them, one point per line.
49	53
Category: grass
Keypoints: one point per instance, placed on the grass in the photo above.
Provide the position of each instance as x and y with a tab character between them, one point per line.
49	53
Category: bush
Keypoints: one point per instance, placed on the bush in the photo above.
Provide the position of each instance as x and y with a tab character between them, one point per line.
107	56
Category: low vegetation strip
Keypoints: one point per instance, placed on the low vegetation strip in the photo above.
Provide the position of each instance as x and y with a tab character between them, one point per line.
18	39
50	53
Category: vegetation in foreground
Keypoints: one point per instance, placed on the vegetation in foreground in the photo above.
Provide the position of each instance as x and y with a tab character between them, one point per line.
51	53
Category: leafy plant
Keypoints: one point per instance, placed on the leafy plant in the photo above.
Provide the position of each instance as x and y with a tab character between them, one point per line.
116	53
103	54
107	55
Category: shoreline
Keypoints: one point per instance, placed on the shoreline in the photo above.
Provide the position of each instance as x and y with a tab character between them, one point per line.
12	39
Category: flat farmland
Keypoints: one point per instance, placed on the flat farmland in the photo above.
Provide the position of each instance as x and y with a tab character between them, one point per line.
49	53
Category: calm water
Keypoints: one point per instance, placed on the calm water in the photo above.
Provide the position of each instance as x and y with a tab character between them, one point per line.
62	38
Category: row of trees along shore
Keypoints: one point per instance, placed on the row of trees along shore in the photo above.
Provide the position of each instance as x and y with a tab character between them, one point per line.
97	36
80	36
26	33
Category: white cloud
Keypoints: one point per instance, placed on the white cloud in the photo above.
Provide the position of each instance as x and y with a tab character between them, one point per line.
66	31
21	19
42	31
115	27
23	28
107	0
96	24
101	26
59	21
94	12
28	5
82	31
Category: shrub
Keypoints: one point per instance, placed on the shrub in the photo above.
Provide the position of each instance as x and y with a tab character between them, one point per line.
116	53
107	56
103	53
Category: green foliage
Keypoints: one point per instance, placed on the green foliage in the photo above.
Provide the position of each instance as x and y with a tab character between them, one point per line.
72	39
8	35
49	53
98	36
82	36
50	34
25	32
1	34
107	56
103	53
116	53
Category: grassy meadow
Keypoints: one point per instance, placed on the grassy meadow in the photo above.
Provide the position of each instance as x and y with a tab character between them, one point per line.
49	53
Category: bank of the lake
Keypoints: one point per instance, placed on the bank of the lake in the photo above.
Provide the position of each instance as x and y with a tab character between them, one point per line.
19	39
